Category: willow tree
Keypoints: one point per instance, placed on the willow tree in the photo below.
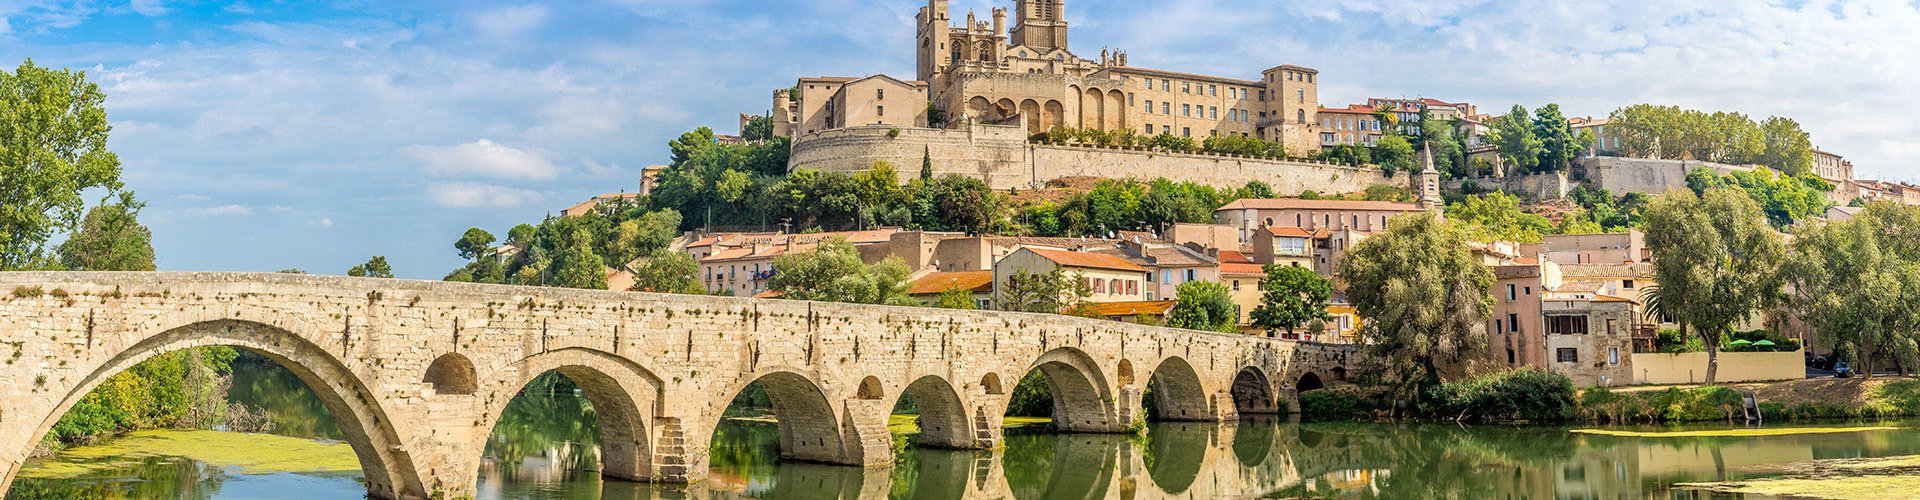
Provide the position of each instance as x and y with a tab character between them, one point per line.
1856	281
1714	262
1422	294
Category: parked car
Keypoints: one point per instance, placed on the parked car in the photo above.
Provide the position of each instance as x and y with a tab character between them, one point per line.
1841	370
1819	362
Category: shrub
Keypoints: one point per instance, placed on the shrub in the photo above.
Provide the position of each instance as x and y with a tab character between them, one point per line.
1335	405
1519	394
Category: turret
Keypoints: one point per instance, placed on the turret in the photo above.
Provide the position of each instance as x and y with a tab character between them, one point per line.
1428	181
999	21
933	52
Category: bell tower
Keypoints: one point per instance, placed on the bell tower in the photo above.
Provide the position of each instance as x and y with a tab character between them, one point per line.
933	37
1043	24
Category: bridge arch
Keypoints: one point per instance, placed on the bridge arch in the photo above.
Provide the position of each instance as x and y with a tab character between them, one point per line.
1253	393
811	428
357	410
1309	381
623	409
943	417
1177	391
1082	400
451	373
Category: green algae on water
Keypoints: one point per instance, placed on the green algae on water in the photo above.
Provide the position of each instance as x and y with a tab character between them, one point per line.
243	453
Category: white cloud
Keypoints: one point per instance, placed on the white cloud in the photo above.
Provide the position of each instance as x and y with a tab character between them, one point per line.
511	21
150	8
474	195
326	222
484	158
222	210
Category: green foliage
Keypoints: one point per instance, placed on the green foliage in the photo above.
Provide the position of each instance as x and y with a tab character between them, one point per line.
1673	341
758	128
1052	292
1394	154
53	148
1781	343
1497	216
667	271
1785	199
1349	154
1518	394
640	236
1693	404
1032	397
1855	282
474	243
1257	189
1513	136
1600	209
1714	261
1170	142
1558	144
1387	192
955	298
577	266
1204	305
185	388
1331	404
1422	295
110	239
375	267
1248	146
1673	133
833	272
1291	296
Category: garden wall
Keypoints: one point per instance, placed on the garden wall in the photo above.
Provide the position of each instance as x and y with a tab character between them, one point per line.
1691	368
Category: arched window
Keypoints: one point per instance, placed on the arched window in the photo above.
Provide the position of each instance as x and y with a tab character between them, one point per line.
986	55
1302	118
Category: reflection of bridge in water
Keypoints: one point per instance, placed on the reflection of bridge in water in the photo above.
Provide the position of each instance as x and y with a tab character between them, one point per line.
417	373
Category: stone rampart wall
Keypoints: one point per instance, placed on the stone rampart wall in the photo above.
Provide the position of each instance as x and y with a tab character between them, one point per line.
1620	175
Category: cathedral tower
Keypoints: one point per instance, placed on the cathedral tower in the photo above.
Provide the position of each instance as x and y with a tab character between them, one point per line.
933	38
1043	24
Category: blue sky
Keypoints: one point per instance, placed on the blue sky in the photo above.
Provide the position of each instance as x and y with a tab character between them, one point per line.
275	134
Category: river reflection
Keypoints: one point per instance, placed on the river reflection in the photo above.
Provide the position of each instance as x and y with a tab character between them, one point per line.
544	448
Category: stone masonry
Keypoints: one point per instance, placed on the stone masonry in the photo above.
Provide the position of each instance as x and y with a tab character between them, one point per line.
417	372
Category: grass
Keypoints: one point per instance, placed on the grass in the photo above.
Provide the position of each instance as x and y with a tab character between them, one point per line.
1781	431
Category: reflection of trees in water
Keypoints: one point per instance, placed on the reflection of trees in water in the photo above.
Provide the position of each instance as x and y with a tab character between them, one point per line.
262	384
548	419
1173	452
156	477
1060	466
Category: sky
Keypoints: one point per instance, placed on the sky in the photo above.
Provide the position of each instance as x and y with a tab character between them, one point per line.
277	134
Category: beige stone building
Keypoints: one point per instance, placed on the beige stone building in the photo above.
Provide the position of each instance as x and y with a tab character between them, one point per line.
1517	330
1168	265
1354	124
1407	110
1112	278
1605	140
1601	248
1251	214
827	103
1589	336
989	71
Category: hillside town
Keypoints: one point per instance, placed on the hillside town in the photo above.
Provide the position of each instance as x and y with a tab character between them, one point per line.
1557	200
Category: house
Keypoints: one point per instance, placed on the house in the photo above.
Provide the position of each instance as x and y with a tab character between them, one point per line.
594	203
1600	248
1514	328
1287	246
1839	213
1168	265
978	283
1248	215
1243	285
1589	335
1112	279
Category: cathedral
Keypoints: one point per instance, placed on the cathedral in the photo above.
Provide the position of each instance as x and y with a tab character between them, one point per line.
982	71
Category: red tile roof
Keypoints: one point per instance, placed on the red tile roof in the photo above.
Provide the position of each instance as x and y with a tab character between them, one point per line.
1085	259
1289	231
1351	108
1132	308
1242	270
972	281
1234	257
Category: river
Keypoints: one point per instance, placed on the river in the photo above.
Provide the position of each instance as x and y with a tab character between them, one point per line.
544	449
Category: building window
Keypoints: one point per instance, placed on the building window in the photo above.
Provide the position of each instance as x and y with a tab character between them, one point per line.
1166	275
1613	355
1513	323
1186	110
879	111
1149	82
1236	285
1149	129
1303	95
1509	352
1166	85
1166	129
1213	112
1149	107
1566	355
1186	87
1213	90
1263	96
982	304
1186	131
1627	284
1566	325
879	93
1189	275
1166	108
1301	116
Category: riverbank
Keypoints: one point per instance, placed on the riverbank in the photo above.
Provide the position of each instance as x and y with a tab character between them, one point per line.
1531	395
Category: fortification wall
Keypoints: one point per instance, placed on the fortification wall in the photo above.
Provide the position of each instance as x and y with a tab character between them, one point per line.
1286	177
1551	186
1001	156
1645	175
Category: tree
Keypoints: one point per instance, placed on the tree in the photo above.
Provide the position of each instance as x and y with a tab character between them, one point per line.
1785	147
375	267
1514	138
1394	154
1497	216
955	298
53	147
758	128
1257	189
577	266
1855	282
474	243
110	239
641	236
1558	144
1291	296
1052	292
1204	305
1422	295
1714	262
833	272
667	271
926	163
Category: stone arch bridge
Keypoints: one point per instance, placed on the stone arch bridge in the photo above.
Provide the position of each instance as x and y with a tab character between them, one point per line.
417	372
